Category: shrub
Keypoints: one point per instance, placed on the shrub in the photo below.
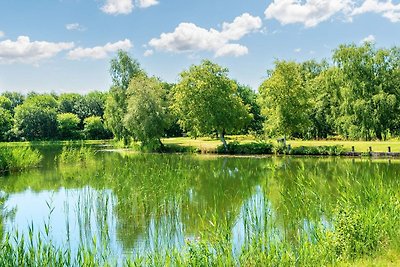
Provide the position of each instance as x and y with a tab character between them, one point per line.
68	126
235	148
94	128
317	150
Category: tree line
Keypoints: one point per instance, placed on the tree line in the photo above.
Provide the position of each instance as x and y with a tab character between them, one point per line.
353	95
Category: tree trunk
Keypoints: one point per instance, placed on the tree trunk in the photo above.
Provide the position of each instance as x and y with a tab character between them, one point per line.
222	137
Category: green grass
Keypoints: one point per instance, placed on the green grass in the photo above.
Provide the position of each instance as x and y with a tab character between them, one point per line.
18	158
207	144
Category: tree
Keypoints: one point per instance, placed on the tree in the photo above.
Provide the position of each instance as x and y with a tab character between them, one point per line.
284	101
16	99
36	118
206	100
5	103
146	117
123	68
370	93
6	122
68	126
249	98
94	128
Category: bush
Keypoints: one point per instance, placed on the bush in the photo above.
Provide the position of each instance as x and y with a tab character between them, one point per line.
68	126
255	148
317	150
94	129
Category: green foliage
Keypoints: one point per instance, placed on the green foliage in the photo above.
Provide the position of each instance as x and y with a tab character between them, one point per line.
36	119
5	103
68	126
249	98
18	158
72	154
205	100
255	148
6	122
15	98
123	68
284	101
368	95
94	128
146	117
317	150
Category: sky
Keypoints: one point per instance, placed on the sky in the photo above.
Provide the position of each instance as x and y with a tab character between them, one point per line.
66	45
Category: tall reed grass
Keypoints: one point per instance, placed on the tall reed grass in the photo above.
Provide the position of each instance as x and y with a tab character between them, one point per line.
18	158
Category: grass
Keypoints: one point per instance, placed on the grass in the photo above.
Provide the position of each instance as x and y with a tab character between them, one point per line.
18	158
210	145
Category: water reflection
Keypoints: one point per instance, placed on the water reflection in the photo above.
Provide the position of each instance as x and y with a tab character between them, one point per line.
141	203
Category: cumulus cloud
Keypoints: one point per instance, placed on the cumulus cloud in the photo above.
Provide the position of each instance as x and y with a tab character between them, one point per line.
387	9
188	37
24	51
147	3
310	13
99	52
148	52
369	39
116	7
75	27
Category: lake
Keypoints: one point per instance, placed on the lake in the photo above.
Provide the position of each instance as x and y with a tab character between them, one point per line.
131	204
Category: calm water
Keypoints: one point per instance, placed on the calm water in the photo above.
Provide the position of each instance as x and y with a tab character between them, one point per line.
139	203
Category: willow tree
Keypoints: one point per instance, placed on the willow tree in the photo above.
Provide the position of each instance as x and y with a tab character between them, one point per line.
206	101
284	101
146	117
123	68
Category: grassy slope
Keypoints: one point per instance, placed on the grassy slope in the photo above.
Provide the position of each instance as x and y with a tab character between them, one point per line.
209	144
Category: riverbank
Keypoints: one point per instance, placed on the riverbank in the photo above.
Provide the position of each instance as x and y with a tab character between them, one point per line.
294	147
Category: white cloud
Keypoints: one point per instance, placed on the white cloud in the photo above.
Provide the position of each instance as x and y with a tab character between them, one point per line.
24	51
310	13
99	52
75	27
147	3
188	37
387	8
2	34
297	50
116	7
369	39
148	52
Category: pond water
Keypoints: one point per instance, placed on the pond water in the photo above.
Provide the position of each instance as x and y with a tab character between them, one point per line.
140	203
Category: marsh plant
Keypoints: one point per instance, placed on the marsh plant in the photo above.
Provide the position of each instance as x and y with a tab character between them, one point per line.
18	158
190	210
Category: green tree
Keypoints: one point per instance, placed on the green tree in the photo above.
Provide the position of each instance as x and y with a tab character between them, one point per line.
5	103
94	128
249	98
370	93
146	117
68	126
206	100
16	99
123	68
284	101
36	118
6	122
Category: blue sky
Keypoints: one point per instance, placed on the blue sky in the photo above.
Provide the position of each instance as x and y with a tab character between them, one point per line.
66	45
